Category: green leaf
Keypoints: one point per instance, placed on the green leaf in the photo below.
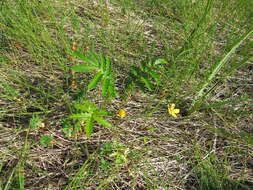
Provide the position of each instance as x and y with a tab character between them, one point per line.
111	89
81	107
35	122
46	140
102	122
67	130
147	83
89	127
102	113
82	116
90	106
83	68
155	76
108	70
93	83
84	58
86	106
160	61
103	63
105	85
104	164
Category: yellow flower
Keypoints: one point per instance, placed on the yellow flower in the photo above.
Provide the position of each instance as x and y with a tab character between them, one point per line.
121	113
172	111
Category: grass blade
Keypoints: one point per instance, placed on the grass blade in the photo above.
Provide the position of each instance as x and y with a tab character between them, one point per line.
201	93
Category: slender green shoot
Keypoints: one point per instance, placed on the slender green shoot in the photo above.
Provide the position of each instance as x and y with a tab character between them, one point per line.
201	94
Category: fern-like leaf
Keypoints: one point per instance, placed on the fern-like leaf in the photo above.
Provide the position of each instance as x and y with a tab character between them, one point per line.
93	83
105	85
102	122
83	68
89	127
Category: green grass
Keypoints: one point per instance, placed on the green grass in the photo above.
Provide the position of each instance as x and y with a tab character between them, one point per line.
206	70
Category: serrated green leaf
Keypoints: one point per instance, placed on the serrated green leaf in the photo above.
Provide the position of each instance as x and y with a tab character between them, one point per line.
108	69
79	55
93	83
105	85
83	57
81	107
160	61
102	113
102	122
95	57
155	76
147	83
103	63
46	140
89	127
83	68
111	89
86	106
80	116
90	106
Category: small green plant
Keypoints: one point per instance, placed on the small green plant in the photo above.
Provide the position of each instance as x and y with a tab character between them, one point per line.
104	164
102	66
147	75
88	114
113	153
46	140
36	122
7	90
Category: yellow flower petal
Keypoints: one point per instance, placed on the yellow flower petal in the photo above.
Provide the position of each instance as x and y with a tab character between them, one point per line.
169	110
176	110
121	113
174	115
172	106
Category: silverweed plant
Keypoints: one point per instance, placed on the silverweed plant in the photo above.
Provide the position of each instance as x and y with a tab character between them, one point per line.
146	76
86	116
102	66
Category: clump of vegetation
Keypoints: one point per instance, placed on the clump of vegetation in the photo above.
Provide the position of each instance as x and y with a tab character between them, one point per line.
87	114
103	67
